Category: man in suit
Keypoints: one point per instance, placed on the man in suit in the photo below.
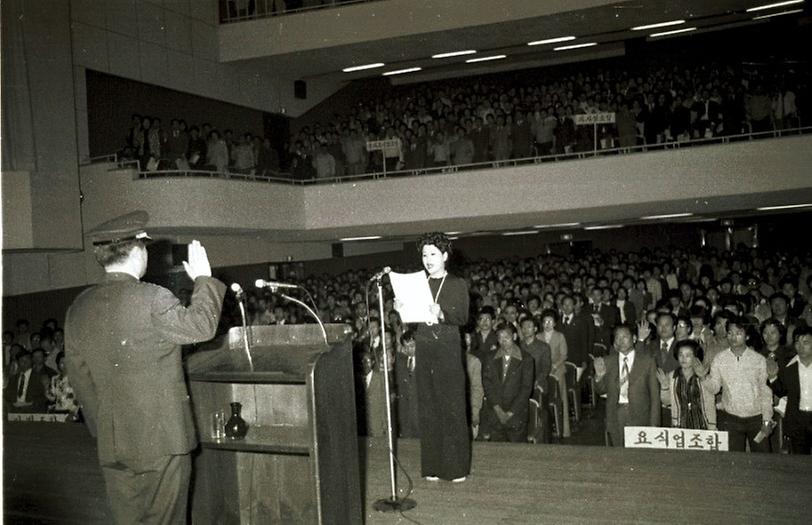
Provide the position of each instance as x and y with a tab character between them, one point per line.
662	350
123	347
26	389
795	382
578	331
628	377
507	380
484	342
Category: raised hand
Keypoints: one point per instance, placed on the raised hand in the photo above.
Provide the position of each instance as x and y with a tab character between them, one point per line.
662	377
198	263
643	330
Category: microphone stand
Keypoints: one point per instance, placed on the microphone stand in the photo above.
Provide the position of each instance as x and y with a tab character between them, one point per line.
310	311
245	334
392	503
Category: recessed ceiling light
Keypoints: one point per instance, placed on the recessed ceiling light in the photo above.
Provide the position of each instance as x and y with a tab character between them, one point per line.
402	71
551	41
455	54
560	225
367	238
674	32
604	227
770	6
791	12
784	207
660	24
522	232
363	67
485	59
575	46
665	216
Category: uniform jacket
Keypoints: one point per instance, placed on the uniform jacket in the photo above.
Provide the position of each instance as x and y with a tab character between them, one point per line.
512	393
644	391
122	347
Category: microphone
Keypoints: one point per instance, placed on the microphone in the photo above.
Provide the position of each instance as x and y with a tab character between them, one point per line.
380	274
262	283
237	289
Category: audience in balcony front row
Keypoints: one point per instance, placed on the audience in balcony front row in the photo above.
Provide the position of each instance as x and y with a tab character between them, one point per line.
497	118
192	149
532	113
741	330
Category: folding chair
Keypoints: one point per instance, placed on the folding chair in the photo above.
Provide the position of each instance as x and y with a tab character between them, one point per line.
554	402
574	389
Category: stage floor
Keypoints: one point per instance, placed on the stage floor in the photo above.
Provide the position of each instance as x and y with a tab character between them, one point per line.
51	476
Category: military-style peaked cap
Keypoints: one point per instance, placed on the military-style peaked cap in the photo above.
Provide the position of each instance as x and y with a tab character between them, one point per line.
128	227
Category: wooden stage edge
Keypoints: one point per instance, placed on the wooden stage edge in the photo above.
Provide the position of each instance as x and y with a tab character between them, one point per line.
51	476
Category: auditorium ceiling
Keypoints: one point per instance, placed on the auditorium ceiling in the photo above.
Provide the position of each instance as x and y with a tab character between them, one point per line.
608	25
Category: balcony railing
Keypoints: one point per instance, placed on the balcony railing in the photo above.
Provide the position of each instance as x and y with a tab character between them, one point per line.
242	10
286	178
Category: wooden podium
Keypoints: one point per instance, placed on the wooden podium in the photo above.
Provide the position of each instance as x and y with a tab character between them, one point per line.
299	461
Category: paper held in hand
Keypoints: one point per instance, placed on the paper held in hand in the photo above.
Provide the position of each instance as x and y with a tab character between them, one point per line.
414	294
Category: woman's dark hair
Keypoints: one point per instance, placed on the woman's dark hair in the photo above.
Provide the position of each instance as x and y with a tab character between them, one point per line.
438	239
782	331
549	312
695	347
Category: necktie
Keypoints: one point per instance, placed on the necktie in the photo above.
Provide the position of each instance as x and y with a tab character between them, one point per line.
20	387
664	348
624	381
505	365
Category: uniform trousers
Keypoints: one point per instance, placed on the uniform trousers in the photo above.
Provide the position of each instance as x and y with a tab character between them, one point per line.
154	492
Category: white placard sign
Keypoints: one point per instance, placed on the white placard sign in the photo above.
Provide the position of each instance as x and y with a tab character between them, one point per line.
595	118
373	145
675	438
40	418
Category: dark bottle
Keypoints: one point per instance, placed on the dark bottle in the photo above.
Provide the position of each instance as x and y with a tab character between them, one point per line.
236	427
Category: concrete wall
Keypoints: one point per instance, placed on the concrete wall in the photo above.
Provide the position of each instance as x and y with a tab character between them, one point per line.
40	125
169	43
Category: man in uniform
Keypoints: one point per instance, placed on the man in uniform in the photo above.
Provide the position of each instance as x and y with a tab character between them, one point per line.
122	345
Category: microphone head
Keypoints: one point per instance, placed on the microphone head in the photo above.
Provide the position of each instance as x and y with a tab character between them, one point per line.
236	288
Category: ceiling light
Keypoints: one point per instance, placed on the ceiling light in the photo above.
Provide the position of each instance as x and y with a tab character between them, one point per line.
485	59
368	238
604	227
661	24
575	46
666	216
770	6
784	207
674	32
551	41
455	54
791	12
522	232
402	71
560	225
453	233
361	68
